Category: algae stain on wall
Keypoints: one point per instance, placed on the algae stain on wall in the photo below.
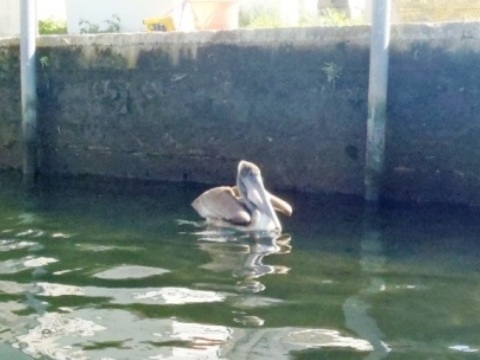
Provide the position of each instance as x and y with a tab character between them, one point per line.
101	57
9	66
10	107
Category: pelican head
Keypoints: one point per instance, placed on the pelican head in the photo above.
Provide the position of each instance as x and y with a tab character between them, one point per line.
248	206
255	197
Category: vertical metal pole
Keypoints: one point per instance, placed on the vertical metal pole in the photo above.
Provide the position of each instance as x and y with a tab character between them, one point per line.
28	83
377	99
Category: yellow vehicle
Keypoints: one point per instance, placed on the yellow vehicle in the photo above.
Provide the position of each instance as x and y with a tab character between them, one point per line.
159	24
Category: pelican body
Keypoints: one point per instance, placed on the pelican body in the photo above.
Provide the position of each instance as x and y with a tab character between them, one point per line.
248	206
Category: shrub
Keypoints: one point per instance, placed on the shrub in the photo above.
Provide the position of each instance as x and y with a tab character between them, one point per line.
112	25
51	26
260	16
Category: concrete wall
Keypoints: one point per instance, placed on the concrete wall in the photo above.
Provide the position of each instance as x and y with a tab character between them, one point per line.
175	106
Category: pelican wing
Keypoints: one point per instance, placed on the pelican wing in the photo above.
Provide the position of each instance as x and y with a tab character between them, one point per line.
281	205
221	203
278	204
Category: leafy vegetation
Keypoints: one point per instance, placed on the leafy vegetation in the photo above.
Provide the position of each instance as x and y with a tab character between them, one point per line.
263	16
332	72
111	25
260	17
329	17
52	26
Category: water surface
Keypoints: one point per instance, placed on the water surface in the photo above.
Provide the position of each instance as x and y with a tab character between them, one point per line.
92	269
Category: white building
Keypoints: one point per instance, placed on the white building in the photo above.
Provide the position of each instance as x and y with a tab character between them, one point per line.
10	14
131	12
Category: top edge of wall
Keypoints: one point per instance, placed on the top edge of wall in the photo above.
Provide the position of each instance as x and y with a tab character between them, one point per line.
301	35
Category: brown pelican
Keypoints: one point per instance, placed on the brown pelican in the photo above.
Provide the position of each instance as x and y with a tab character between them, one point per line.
248	206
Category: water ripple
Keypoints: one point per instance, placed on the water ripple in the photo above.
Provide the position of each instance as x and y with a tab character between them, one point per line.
463	348
130	272
10	245
32	233
53	329
124	296
178	296
12	266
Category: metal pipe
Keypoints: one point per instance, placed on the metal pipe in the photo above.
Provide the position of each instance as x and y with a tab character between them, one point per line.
28	83
377	99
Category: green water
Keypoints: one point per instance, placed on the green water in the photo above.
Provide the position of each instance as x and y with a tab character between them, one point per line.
91	269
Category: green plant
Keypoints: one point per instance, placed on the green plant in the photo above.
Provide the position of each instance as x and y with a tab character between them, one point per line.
332	72
260	17
9	65
52	26
112	25
44	62
335	17
329	17
86	27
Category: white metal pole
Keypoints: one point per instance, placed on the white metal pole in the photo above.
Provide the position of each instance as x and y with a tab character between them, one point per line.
28	83
377	99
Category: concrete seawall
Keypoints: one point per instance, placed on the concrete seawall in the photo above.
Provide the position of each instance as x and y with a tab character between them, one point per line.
175	106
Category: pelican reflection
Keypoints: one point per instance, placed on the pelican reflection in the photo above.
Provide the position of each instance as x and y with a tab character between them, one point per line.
243	256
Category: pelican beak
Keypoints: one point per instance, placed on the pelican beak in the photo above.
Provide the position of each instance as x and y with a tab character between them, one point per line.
252	184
